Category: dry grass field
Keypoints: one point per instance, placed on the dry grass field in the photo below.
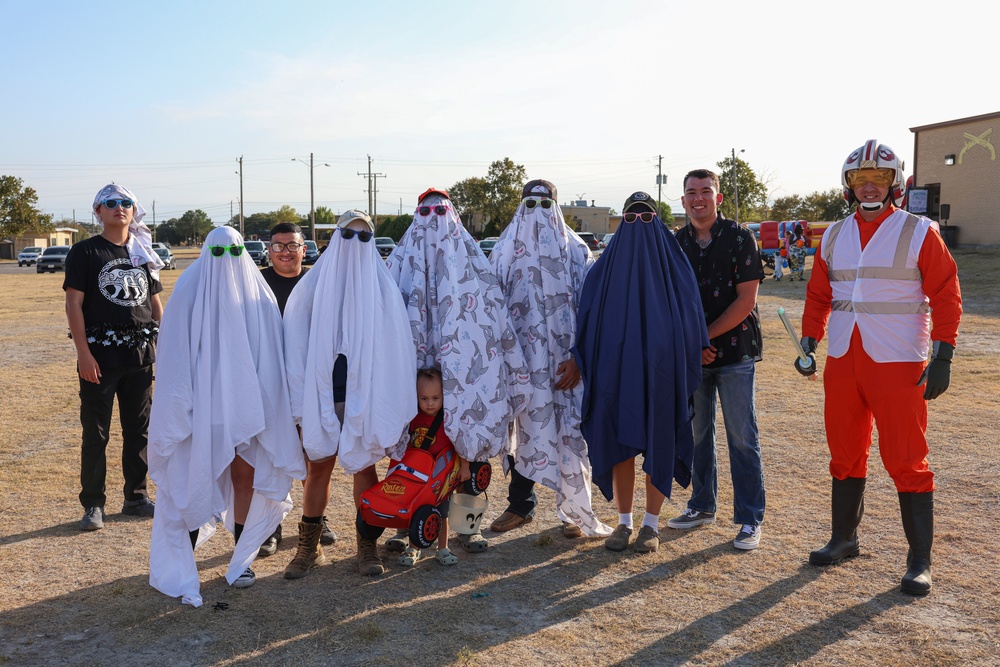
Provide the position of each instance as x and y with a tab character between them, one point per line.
74	598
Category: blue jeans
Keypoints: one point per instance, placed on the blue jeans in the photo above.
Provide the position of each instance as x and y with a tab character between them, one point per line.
735	386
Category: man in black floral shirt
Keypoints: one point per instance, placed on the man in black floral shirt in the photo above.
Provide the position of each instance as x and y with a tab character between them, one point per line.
727	265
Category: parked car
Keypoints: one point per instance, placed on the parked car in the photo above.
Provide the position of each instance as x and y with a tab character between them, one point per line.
168	258
312	253
486	245
590	239
160	244
29	256
413	488
385	245
605	240
258	252
52	259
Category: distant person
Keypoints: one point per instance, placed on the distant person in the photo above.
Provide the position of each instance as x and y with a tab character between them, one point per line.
541	265
112	287
287	250
889	287
222	437
797	253
726	261
640	335
347	344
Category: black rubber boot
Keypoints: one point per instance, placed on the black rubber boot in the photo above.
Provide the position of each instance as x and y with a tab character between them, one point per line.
917	510
848	500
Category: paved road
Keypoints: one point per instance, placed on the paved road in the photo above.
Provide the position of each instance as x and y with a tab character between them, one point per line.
9	267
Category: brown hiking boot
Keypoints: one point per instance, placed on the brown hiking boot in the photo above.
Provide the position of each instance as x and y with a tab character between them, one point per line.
308	553
368	561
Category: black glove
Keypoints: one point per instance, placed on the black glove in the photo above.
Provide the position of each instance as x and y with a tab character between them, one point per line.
809	347
937	374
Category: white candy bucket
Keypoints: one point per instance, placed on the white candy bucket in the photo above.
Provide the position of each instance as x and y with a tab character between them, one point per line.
465	513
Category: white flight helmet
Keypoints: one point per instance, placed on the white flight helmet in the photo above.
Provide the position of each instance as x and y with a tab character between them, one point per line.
874	155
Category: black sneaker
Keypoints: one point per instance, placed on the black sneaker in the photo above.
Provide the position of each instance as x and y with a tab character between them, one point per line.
93	519
270	545
245	580
142	507
327	536
690	518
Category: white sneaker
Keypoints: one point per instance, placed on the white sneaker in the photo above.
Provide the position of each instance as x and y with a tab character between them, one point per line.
748	537
245	580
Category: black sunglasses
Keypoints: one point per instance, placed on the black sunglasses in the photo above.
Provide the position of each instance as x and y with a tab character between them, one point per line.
220	250
531	203
364	237
645	217
113	203
426	210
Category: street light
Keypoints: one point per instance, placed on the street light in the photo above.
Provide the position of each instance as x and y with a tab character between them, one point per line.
736	192
312	197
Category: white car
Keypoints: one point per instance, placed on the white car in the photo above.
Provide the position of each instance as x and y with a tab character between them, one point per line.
29	256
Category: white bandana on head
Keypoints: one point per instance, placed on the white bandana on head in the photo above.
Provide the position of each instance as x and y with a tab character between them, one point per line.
540	264
459	324
221	392
348	304
140	240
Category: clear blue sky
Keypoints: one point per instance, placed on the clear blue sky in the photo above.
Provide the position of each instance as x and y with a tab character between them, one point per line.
163	97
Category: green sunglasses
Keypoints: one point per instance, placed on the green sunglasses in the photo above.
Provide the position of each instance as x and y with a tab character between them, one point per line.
220	250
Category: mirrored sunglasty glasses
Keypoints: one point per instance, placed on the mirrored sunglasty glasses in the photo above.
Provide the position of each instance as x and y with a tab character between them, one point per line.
532	203
282	247
114	203
646	216
427	210
364	237
881	178
220	250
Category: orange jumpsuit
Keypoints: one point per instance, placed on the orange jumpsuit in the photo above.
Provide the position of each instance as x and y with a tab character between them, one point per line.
861	392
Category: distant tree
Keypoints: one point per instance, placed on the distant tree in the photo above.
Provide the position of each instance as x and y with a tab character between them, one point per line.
815	207
17	209
287	214
194	225
324	216
394	225
751	190
170	232
469	198
786	208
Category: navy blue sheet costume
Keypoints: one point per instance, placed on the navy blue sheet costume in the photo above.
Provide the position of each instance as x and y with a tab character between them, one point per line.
640	334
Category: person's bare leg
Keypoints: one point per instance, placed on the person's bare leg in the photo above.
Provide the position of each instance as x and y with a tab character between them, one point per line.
623	485
363	481
241	473
316	487
654	499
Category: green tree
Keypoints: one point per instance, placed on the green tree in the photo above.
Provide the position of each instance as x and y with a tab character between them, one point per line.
495	197
469	197
786	208
394	225
827	206
287	214
17	209
751	190
194	225
324	216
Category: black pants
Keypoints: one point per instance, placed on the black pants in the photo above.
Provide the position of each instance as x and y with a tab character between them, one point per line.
133	387
521	499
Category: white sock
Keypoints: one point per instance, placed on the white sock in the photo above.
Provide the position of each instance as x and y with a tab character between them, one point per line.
651	520
625	519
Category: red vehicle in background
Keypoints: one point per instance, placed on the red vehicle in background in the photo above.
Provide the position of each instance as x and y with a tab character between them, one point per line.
413	488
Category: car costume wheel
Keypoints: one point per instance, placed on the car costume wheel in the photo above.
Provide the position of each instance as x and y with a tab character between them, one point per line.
425	526
482	473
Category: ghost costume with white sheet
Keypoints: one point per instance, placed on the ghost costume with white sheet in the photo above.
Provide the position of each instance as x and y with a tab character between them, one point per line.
140	240
348	304
540	265
221	392
459	323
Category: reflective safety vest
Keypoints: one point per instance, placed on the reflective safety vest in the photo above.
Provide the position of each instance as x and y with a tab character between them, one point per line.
879	289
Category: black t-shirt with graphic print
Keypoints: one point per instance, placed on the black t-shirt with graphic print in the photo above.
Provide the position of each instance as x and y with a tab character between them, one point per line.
117	310
730	259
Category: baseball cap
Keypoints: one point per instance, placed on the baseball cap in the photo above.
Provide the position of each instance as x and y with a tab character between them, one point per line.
354	214
539	188
637	199
433	191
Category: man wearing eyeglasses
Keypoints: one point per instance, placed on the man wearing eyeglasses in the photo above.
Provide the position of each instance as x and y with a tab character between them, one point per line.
889	288
728	267
113	307
287	248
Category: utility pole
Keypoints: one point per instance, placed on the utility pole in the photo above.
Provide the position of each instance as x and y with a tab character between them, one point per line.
368	175
375	178
240	172
312	202
372	189
154	220
660	180
736	192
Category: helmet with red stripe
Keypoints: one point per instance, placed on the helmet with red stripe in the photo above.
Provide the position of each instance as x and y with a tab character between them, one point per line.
873	155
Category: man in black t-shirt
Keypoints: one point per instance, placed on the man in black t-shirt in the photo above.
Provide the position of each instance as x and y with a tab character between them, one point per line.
288	249
113	307
727	266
